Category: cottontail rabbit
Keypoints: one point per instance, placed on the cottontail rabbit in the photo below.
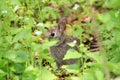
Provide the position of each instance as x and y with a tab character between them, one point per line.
59	50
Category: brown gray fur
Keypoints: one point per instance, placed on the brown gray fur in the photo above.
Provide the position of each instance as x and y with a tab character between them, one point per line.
59	50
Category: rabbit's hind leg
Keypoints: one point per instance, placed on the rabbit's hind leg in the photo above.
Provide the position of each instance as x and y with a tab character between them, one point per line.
58	64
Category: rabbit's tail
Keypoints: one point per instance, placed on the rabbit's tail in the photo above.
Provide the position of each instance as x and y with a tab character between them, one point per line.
70	61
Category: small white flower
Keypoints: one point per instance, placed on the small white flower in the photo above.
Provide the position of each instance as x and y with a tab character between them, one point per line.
117	78
4	11
75	41
38	32
76	6
16	8
39	24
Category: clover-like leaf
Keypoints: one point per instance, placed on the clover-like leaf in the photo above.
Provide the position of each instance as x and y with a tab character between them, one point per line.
71	53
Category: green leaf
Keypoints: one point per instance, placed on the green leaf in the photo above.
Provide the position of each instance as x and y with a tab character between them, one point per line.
2	78
110	19
15	2
17	56
72	44
17	67
8	39
23	34
95	56
73	68
114	67
111	16
114	54
112	4
99	74
30	73
71	53
82	48
89	75
36	47
78	30
75	78
46	75
18	46
49	44
2	73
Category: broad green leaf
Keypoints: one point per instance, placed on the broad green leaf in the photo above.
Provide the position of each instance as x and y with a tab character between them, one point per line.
30	73
18	46
89	75
78	30
115	54
3	64
49	44
23	34
36	47
2	78
99	74
95	56
45	75
73	68
72	44
75	78
82	48
71	53
110	19
16	77
116	36
8	39
112	4
17	67
17	56
114	67
14	2
2	73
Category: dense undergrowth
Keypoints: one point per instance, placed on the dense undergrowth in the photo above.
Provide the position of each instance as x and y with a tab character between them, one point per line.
24	48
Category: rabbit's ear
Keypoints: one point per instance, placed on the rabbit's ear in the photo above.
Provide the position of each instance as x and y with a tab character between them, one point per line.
62	24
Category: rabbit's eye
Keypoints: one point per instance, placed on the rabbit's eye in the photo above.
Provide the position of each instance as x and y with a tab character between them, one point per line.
52	34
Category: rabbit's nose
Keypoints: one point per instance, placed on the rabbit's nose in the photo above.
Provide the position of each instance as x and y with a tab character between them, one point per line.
52	34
